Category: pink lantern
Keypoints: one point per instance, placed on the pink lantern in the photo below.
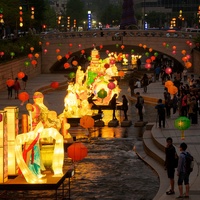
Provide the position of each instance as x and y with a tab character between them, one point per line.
1	53
188	56
168	70
174	52
147	65
107	51
112	62
45	51
79	45
190	44
111	85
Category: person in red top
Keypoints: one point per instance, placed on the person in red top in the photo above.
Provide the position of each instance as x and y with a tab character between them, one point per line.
16	87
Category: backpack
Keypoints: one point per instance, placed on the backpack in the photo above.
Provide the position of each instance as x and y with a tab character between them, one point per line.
189	162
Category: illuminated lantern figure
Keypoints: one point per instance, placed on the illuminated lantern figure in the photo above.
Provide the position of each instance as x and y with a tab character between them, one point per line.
77	151
111	85
20	75
54	85
102	94
182	123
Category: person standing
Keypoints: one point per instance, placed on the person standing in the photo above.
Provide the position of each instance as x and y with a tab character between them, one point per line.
125	106
170	155
113	103
16	87
139	105
145	82
25	79
183	175
161	113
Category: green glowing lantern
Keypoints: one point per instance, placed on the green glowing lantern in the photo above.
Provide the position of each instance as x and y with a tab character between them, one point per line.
72	75
12	54
132	50
182	123
102	94
147	54
89	58
26	63
91	77
156	54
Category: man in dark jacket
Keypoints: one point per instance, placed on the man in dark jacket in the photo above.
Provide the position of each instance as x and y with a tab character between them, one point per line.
161	113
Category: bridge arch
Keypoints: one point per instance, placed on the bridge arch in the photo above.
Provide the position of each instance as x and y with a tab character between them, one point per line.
74	42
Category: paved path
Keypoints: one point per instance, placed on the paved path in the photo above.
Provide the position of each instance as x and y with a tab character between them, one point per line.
155	91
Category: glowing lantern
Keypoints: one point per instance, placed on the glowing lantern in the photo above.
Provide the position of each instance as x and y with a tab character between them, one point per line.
172	89
32	49
188	56
132	50
164	44
112	62
22	48
101	46
121	73
184	59
89	58
167	45
111	85
122	47
40	43
102	94
183	52
67	56
77	151
79	45
117	45
45	51
23	96
187	42
147	54
106	65
20	75
156	54
66	65
59	57
54	85
148	60
144	46
1	53
188	64
37	55
87	122
57	50
190	44
174	52
174	47
70	44
12	54
107	51
147	65
82	51
72	75
182	123
47	43
168	84
34	62
74	62
30	55
153	58
140	45
150	49
10	82
168	70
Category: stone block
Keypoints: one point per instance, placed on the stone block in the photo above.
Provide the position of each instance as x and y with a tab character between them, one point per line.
126	123
140	124
99	123
113	123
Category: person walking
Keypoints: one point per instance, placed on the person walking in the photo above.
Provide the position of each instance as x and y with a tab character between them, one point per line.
170	163
16	87
25	79
145	82
183	175
139	105
125	106
161	113
113	103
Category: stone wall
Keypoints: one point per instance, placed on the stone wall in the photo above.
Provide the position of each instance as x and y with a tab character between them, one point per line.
12	68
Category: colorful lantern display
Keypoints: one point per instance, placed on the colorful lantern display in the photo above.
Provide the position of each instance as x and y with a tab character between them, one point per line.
182	123
102	94
77	151
111	85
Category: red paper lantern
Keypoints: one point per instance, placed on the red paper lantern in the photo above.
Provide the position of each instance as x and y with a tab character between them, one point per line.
1	53
111	85
148	60
54	85
122	47
23	96
20	75
101	46
30	55
70	44
77	151
168	70
10	82
147	65
34	62
67	56
82	51
153	58
47	43
87	122
57	50
164	44
66	65
45	51
106	65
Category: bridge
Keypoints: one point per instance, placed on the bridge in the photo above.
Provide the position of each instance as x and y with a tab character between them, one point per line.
74	42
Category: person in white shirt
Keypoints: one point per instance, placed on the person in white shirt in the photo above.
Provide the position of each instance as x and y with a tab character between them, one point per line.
138	84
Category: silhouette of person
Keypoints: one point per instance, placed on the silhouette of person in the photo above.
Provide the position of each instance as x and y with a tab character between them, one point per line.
113	103
125	106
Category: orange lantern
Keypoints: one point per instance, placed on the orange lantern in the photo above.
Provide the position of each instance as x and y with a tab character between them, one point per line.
188	64
121	73
74	62
144	46
23	96
47	43
32	49
59	57
82	51
37	55
122	47
87	122
10	82
66	65
164	44
174	47
183	52
172	89
140	45
168	84
20	75
77	151
54	85
70	44
34	62
150	49
184	59
57	50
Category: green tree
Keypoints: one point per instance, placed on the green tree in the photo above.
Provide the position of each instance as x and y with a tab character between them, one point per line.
76	11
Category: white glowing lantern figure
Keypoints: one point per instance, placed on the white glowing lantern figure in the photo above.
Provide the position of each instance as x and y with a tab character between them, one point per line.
3	148
12	131
58	155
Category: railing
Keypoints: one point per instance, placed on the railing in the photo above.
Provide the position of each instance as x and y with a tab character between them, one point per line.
118	34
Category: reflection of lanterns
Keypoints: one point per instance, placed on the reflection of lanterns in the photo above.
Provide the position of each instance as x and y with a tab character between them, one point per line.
77	151
66	65
54	85
111	85
20	75
182	123
168	70
87	122
23	96
172	89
